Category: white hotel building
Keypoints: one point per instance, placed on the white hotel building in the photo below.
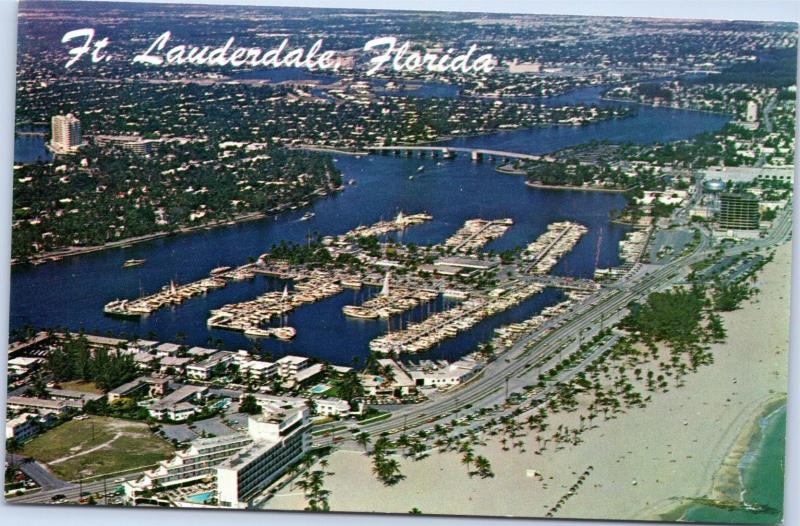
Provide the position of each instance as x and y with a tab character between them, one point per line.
279	440
192	465
243	464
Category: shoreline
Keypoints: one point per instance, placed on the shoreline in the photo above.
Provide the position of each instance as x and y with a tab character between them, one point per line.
647	462
576	188
57	255
651	105
727	486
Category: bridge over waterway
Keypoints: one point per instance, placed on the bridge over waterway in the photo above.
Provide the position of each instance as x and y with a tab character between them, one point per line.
450	152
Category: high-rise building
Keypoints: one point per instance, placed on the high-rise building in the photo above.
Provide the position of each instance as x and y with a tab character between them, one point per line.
280	438
193	464
66	133
738	211
243	463
752	111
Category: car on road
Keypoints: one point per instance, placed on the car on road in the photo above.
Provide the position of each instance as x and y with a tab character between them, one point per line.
58	498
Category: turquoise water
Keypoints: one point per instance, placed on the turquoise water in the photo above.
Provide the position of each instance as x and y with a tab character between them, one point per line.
200	498
320	388
762	471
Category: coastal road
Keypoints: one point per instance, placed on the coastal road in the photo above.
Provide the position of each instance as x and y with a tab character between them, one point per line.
73	491
585	320
488	388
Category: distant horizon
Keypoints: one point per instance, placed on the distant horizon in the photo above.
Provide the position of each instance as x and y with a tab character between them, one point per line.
751	11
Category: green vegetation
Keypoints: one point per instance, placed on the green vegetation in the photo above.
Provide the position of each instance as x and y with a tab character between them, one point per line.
777	71
349	387
97	446
122	408
74	360
672	316
249	405
386	469
312	253
123	195
728	296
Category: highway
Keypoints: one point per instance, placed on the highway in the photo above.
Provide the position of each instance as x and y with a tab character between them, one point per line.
72	491
487	388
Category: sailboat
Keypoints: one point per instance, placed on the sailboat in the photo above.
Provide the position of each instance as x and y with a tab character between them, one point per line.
385	289
283	332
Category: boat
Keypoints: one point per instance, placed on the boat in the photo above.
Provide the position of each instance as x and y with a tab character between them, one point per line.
119	308
219	270
421	169
284	333
351	182
307	216
133	263
259	333
359	312
351	283
410	177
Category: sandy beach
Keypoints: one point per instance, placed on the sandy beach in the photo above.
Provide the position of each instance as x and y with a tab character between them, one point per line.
684	444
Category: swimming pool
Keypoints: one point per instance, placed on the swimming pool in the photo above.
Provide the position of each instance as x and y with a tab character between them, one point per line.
200	498
319	388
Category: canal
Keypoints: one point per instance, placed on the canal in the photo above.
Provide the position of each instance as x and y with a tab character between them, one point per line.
71	293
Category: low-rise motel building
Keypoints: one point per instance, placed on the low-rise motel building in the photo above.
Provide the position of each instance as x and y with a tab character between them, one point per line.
241	465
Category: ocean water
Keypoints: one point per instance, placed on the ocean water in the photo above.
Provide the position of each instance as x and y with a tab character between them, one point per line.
762	475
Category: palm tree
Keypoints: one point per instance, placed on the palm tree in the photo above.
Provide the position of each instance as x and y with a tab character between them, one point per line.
467	458
484	467
363	439
388	471
403	441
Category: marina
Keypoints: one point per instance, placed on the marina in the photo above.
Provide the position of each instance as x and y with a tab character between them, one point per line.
543	254
381	228
390	301
248	316
450	192
174	294
476	233
422	336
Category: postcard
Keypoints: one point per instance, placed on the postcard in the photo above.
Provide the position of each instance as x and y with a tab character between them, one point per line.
373	261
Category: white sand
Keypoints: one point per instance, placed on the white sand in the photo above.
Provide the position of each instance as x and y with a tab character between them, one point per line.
651	446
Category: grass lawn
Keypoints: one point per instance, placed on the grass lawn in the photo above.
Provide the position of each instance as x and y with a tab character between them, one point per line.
97	446
80	385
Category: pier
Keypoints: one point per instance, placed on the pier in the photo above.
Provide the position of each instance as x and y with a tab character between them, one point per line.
476	233
391	301
419	337
543	254
248	316
401	222
174	294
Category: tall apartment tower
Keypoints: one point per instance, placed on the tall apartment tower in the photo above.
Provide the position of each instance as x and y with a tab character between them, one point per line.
752	111
738	211
66	133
